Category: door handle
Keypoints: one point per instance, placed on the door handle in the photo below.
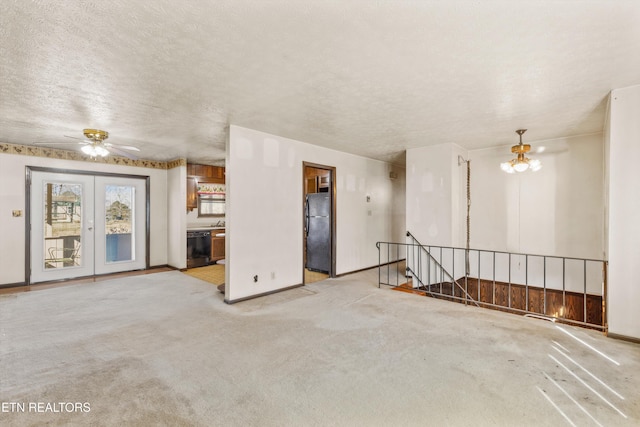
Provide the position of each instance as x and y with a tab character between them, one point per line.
90	228
306	212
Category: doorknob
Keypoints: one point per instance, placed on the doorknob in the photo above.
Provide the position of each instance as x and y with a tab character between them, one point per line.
90	228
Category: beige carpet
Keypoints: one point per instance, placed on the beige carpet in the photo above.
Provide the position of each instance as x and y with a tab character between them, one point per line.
211	273
164	349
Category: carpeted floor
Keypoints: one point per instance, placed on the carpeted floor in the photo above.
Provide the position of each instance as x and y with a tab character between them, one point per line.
210	273
164	349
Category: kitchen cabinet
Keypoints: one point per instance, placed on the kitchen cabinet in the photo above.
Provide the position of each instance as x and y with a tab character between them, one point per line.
206	173
192	193
201	174
316	180
217	245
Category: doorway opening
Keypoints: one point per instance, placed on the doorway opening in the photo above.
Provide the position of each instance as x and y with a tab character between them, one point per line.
319	222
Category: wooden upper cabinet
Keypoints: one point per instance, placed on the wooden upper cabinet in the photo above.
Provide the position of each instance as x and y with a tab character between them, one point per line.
206	173
204	170
192	193
317	180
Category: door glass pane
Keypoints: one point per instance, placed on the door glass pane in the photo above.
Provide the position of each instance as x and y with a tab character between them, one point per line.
119	214
62	224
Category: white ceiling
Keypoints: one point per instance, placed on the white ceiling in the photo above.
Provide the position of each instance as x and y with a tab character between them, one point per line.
367	77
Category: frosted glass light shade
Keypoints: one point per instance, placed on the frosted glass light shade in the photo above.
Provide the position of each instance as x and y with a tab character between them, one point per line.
101	151
94	150
521	166
506	166
535	165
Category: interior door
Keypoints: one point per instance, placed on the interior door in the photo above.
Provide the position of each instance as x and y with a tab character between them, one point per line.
61	209
82	225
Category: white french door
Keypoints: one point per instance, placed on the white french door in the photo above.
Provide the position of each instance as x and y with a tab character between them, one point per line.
120	214
83	225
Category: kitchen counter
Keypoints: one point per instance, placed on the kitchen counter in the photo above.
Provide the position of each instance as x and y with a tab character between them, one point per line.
213	225
204	228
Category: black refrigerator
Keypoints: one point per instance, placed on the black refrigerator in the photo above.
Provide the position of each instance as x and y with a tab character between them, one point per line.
317	227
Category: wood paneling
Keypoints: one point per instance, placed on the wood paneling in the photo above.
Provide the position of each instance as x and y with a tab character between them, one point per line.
563	305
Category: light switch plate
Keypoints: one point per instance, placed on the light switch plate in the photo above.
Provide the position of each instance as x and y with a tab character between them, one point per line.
16	213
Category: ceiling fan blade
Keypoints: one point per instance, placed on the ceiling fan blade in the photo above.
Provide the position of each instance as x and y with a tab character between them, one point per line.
74	137
128	147
122	147
58	143
121	153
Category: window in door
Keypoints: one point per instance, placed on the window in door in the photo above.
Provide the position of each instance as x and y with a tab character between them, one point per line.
62	225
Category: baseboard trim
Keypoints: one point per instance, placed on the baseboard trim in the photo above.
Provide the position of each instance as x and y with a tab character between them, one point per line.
624	338
94	276
275	291
13	285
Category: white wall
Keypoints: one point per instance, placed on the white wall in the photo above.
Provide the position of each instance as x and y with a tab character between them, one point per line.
176	218
433	201
265	207
624	205
555	211
12	197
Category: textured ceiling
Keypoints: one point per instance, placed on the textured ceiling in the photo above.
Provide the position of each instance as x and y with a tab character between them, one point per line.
367	77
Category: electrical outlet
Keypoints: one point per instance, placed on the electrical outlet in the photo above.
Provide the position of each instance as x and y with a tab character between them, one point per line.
255	279
273	275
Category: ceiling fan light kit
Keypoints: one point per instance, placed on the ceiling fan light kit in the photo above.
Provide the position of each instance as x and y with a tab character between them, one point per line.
521	163
96	148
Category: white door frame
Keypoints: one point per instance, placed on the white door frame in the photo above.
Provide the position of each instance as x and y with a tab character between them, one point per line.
28	207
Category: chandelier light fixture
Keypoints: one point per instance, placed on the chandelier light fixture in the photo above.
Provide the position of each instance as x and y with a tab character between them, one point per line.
521	163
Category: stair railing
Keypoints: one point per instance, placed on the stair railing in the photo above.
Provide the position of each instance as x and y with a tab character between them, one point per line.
567	289
413	261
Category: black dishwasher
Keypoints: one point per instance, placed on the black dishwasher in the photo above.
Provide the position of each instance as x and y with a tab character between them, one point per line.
198	248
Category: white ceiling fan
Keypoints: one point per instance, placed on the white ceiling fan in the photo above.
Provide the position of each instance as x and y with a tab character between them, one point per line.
94	144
